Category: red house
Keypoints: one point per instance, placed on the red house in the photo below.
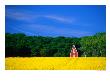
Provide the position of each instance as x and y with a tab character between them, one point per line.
73	52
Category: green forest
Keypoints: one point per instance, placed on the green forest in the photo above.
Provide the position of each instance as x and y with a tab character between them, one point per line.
21	45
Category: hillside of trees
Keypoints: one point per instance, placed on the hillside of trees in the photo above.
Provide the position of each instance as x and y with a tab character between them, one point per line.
20	45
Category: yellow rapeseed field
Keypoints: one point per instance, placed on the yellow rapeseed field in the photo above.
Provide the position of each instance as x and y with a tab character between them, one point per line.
55	63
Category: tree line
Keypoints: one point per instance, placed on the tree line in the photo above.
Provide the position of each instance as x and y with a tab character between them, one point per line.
20	45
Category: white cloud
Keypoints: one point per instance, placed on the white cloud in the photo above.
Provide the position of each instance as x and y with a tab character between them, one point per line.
20	16
26	17
60	19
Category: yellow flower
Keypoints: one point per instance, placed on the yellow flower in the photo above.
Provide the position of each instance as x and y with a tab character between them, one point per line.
55	63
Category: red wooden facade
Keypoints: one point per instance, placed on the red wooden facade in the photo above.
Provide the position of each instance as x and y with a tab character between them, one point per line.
73	52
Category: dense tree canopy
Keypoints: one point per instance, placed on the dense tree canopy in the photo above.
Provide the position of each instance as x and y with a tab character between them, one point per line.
38	46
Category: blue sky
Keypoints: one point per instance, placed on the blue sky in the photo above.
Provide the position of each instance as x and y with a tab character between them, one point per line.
51	20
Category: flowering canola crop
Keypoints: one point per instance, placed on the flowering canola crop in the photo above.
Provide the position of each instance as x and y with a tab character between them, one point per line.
55	63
